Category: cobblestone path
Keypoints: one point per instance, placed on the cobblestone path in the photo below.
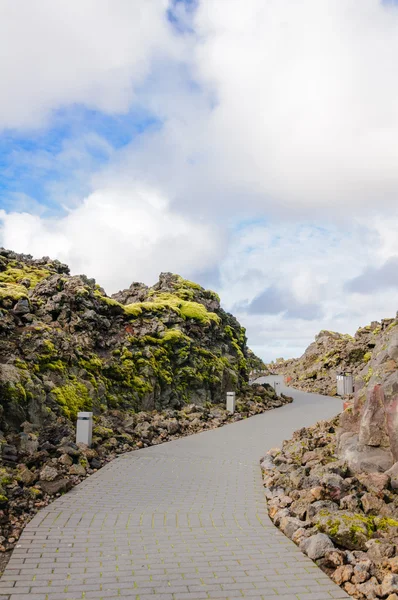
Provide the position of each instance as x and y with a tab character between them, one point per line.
183	520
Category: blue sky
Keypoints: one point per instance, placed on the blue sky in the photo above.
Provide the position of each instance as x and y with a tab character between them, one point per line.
248	145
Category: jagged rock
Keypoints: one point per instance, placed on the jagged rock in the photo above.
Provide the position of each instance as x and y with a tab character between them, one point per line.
371	504
48	473
319	506
373	424
342	574
77	470
316	546
56	487
334	558
361	571
378	550
66	460
393	474
389	585
289	525
374	482
363	458
25	475
370	590
346	530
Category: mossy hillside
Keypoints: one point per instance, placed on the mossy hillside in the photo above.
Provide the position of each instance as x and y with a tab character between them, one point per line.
366	356
143	348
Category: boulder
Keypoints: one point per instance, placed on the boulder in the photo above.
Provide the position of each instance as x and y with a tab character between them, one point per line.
289	525
48	473
55	487
389	585
373	425
345	529
25	475
317	546
342	574
66	460
371	504
77	470
363	458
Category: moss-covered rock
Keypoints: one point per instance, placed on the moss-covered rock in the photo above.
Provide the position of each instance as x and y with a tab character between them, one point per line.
74	348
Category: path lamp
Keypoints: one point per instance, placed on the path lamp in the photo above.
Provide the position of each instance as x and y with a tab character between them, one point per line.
84	428
231	400
345	384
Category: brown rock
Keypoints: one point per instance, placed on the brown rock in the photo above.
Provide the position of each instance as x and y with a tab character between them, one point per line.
379	550
66	460
374	482
26	475
318	493
350	502
393	564
48	473
370	590
55	487
342	574
371	504
389	585
373	426
361	571
393	474
289	525
334	558
77	470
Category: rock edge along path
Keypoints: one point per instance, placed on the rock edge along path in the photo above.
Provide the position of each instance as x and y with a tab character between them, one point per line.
182	520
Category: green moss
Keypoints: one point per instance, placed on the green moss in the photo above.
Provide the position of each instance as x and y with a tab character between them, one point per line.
185	283
133	310
72	398
12	291
20	364
367	357
35	492
93	364
15	274
166	301
385	522
13	392
368	375
49	360
3	500
103	432
5	477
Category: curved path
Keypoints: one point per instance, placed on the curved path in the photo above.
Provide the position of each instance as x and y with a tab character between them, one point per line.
183	520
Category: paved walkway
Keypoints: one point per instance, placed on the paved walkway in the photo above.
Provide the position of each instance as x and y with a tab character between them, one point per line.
183	520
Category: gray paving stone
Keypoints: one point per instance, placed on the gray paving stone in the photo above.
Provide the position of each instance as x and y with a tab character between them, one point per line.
185	520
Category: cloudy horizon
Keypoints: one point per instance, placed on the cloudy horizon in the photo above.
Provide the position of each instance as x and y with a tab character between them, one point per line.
248	145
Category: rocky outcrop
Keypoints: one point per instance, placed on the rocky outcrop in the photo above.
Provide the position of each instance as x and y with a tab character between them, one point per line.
66	346
368	434
343	519
371	356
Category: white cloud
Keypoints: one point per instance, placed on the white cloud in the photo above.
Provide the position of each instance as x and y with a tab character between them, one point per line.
280	112
307	99
117	236
54	54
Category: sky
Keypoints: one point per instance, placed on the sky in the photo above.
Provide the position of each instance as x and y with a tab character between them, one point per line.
249	145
